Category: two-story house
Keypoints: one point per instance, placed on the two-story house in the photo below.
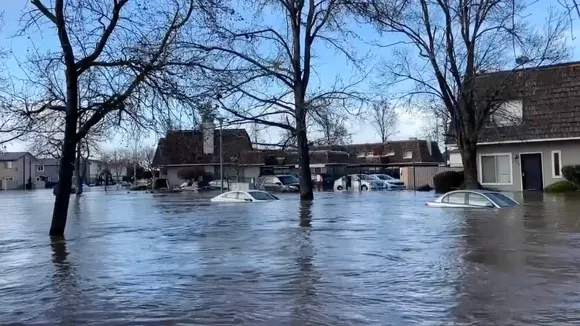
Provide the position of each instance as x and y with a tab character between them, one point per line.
17	170
528	150
47	169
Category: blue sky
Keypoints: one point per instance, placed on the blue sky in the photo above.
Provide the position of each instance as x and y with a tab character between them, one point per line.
410	122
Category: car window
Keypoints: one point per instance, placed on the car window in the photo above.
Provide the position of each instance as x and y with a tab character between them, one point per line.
268	180
243	196
501	200
288	179
261	195
479	200
455	198
231	195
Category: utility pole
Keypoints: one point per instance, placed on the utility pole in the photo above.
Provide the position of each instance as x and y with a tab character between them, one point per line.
221	120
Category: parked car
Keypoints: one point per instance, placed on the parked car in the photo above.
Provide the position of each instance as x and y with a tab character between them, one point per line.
244	197
390	182
366	182
278	183
217	184
473	199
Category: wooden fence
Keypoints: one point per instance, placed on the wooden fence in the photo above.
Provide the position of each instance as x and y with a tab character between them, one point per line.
422	175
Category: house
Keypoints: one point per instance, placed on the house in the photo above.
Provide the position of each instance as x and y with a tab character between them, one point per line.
528	152
95	168
47	169
394	153
17	170
200	149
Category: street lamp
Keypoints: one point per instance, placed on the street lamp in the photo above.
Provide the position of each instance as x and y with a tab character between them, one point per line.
221	120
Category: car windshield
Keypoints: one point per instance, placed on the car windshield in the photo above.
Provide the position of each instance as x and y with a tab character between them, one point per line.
373	177
288	179
258	195
384	177
501	200
366	177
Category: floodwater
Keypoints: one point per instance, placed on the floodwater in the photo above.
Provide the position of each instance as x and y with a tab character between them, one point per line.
378	258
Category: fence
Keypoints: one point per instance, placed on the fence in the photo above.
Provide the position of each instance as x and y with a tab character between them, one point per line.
418	176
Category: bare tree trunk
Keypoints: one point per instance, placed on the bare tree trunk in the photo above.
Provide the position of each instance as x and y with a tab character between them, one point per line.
134	174
468	155
78	174
60	211
303	160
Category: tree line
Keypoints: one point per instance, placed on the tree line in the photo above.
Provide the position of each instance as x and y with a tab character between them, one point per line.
117	66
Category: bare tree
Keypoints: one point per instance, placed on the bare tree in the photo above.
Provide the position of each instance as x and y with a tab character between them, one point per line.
265	66
117	61
117	162
449	43
384	118
145	159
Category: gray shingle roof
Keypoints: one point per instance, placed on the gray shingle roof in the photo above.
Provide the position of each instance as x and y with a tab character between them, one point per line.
11	156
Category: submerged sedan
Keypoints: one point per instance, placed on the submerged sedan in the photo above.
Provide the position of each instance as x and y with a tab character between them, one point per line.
473	199
244	197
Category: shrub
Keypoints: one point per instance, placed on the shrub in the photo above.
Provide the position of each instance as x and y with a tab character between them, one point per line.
560	187
448	181
572	173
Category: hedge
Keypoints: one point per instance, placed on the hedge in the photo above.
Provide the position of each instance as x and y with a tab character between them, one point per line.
572	174
560	187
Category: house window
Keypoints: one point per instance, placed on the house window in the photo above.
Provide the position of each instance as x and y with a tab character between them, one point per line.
408	154
556	164
496	169
40	168
9	165
508	113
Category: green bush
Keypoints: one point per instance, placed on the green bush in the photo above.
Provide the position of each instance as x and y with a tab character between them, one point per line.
448	181
572	173
560	187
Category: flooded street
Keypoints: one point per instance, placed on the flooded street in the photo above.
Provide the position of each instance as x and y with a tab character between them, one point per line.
378	258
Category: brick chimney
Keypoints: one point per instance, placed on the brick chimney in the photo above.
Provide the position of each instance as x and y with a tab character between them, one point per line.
208	129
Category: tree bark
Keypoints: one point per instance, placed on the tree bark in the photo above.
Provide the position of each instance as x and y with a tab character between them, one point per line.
78	175
469	157
306	192
67	162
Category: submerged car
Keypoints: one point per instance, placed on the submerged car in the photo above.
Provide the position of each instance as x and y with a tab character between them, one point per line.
366	182
244	197
390	182
473	199
279	183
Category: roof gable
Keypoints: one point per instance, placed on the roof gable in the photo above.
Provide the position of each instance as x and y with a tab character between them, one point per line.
12	156
186	147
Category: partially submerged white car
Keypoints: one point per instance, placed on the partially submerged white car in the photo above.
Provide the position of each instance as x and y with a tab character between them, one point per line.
244	197
473	199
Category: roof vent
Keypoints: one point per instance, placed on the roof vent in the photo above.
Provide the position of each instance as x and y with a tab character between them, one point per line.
412	138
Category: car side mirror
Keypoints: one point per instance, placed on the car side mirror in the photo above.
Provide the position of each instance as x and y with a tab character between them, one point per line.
247	199
278	183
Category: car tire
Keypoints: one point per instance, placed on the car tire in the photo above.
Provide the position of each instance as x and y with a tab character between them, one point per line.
339	188
364	188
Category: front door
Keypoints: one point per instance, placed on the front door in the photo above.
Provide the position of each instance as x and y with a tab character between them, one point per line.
532	172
